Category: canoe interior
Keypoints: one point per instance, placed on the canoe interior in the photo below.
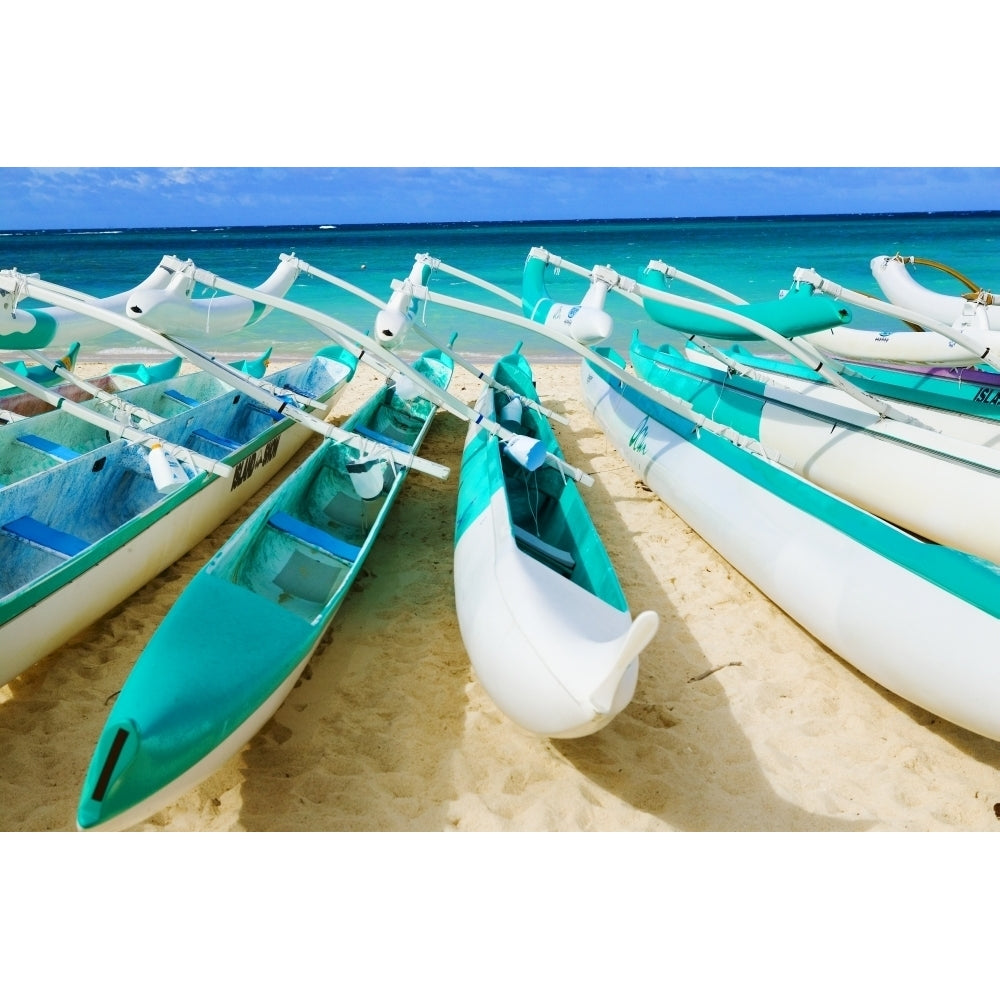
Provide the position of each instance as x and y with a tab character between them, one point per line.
306	550
544	506
54	505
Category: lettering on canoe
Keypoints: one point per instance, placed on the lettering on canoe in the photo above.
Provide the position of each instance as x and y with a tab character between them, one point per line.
246	468
637	442
989	396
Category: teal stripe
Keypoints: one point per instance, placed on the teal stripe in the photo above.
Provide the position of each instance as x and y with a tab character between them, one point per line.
940	392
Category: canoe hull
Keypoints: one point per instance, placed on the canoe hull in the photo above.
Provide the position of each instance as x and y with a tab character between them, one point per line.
553	644
123	531
517	618
953	393
780	533
212	761
260	607
167	535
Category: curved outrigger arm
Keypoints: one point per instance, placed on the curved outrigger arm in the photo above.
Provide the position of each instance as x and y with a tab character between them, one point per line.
958	333
439	265
637	292
263	392
617	283
621	375
670	272
383	360
462	362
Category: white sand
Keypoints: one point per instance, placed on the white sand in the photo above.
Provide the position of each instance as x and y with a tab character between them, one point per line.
741	721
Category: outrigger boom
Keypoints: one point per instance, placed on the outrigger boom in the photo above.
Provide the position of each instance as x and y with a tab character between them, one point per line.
384	360
434	264
960	335
263	392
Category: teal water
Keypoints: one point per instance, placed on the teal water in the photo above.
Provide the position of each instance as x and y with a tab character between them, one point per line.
752	257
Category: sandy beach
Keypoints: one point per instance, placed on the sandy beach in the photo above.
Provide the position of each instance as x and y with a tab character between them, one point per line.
741	721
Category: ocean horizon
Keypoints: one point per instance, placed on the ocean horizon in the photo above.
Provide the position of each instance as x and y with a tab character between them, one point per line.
751	256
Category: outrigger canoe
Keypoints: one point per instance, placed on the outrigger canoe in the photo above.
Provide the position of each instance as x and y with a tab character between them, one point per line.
930	472
542	614
90	525
591	654
921	619
68	428
200	690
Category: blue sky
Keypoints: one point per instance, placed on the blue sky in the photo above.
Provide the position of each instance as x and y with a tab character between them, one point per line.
114	197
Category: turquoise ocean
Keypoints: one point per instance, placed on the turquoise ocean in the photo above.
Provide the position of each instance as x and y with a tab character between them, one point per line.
754	257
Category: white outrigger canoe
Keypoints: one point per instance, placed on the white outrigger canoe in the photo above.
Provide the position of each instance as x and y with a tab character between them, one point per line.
921	619
933	476
189	702
542	614
590	701
930	471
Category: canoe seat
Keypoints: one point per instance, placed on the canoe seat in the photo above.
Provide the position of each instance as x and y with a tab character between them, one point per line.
57	451
381	438
45	536
217	439
559	559
180	397
314	536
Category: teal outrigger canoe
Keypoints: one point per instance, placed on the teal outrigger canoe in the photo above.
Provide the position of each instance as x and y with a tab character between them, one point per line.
191	701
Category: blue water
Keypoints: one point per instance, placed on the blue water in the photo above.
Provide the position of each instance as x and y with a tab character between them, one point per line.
752	257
